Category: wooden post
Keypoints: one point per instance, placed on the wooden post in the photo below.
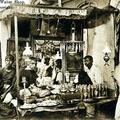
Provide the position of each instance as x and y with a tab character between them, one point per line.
16	49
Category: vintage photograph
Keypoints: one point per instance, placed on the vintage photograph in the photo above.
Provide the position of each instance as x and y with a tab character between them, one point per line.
59	59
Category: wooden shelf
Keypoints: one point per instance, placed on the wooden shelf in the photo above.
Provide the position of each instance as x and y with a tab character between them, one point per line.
48	37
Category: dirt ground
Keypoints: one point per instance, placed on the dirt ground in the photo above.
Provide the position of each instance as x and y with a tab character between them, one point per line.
104	112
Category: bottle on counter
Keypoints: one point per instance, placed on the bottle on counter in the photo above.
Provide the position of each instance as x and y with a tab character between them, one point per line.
96	91
81	91
85	92
89	91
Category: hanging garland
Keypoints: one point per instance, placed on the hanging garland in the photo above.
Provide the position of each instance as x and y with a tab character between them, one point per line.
47	47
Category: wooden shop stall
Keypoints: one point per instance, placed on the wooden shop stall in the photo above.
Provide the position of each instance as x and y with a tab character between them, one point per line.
57	32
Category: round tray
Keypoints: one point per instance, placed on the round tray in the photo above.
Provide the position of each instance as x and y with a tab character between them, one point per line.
28	106
48	103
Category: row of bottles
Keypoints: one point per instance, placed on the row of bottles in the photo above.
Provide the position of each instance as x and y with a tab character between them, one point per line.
92	91
86	91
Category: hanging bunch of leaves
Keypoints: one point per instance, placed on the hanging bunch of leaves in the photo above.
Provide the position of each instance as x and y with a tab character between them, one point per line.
47	48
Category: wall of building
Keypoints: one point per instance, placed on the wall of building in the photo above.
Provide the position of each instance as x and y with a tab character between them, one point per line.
98	37
5	32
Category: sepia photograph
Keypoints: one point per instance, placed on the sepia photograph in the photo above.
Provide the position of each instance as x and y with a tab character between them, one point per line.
59	59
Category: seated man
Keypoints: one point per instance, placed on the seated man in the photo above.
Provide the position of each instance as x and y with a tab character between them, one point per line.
7	85
92	70
46	76
59	76
43	67
7	75
28	77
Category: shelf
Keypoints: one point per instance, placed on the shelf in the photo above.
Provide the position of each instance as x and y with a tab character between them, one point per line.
48	37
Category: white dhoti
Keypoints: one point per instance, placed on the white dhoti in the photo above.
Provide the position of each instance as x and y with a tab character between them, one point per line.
8	98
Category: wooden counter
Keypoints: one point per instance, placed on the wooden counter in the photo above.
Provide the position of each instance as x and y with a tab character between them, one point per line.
89	106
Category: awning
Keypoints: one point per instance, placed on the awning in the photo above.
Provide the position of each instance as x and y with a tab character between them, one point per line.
40	11
37	11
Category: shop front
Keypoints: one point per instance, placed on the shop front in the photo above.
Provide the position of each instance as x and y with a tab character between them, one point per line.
61	34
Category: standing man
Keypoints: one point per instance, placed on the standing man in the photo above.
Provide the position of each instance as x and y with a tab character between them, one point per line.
117	78
92	70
